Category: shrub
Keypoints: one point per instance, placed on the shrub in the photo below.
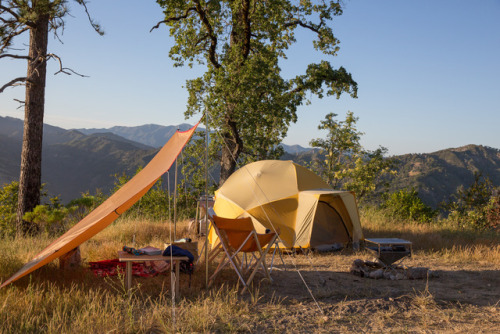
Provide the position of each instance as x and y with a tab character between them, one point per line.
406	204
48	218
477	206
154	204
8	208
83	205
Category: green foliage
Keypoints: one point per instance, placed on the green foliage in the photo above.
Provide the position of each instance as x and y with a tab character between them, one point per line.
36	19
343	163
21	14
339	147
405	204
86	203
154	204
477	206
193	169
368	173
8	208
52	219
241	43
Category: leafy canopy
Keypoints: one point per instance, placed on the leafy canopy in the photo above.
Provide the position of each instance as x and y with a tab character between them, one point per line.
241	43
344	163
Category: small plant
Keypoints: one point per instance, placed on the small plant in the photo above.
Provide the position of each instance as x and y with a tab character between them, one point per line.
344	164
406	204
51	218
8	208
477	206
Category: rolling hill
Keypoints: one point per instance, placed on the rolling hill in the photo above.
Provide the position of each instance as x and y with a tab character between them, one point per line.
152	135
75	161
439	174
157	135
72	162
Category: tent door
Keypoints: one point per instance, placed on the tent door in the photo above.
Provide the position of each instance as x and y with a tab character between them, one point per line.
328	227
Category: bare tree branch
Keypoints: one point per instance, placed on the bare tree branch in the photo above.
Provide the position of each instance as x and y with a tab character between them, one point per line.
65	70
13	82
14	33
10	11
6	21
312	27
21	103
94	25
204	19
212	52
14	56
175	18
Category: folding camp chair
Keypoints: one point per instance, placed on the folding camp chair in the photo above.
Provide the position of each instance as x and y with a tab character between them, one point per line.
239	236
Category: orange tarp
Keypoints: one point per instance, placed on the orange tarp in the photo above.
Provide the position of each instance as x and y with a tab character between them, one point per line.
112	208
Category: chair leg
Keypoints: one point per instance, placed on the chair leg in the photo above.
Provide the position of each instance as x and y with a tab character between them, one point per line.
232	258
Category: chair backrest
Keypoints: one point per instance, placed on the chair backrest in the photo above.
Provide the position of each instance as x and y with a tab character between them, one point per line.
234	232
234	224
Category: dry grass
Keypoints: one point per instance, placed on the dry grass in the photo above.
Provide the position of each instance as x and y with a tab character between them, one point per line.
446	242
464	298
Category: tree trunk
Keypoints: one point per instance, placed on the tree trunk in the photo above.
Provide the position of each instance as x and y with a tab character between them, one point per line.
31	156
231	149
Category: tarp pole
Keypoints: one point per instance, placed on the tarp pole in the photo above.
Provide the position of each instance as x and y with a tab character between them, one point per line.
175	199
169	198
206	197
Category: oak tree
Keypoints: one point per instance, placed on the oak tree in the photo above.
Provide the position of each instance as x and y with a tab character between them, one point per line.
241	43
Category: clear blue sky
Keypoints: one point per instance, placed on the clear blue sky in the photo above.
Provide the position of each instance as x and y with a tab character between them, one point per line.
428	73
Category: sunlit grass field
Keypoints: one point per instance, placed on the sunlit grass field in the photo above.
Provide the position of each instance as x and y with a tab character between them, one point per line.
75	301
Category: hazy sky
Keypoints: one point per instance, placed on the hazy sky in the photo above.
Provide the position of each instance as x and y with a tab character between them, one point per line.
428	73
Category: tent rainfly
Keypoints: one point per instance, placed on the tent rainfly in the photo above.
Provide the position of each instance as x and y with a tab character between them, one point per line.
282	194
112	208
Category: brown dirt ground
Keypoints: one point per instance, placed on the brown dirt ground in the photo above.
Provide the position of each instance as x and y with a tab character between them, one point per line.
464	296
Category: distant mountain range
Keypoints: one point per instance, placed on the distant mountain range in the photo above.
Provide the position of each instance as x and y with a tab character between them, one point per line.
152	135
157	135
438	175
72	162
80	160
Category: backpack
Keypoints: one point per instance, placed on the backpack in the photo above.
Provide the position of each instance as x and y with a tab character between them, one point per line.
185	267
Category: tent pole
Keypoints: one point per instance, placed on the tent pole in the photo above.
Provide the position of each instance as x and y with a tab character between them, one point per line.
168	189
206	197
175	202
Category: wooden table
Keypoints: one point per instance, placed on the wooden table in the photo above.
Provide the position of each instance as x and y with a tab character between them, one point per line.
129	258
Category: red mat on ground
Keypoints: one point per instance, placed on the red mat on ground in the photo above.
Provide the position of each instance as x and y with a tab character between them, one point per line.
107	268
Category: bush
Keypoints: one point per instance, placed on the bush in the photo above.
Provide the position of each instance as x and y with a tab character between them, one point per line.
477	206
480	217
8	208
85	204
153	205
48	218
406	204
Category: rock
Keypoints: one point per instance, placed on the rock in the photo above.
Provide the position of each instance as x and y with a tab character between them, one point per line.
359	262
417	273
376	274
400	276
435	274
373	270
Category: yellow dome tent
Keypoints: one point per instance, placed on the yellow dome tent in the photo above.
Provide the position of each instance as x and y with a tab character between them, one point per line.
282	194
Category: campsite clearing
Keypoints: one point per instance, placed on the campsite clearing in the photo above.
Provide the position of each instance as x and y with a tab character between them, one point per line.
464	298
